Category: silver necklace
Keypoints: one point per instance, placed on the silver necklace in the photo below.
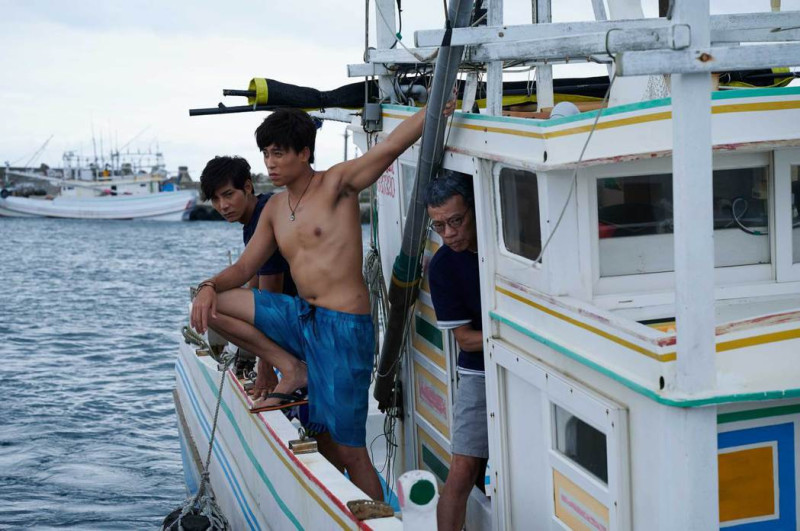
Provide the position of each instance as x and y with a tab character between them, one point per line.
289	202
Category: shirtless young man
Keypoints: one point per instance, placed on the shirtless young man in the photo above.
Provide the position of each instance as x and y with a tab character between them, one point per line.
315	223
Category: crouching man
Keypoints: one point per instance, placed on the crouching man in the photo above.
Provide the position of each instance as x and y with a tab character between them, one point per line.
327	330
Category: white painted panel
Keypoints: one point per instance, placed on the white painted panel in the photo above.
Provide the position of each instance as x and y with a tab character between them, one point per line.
525	453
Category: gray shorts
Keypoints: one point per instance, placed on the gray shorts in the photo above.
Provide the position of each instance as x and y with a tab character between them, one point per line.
470	425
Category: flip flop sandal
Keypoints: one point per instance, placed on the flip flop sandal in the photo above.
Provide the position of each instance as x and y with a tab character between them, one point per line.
297	398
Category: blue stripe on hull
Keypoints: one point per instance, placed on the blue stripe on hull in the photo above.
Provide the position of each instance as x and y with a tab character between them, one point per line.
235	488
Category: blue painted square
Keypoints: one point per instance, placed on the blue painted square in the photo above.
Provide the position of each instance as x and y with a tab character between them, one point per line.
783	434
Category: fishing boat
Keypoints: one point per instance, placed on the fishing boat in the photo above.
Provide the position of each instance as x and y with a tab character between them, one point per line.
640	284
128	186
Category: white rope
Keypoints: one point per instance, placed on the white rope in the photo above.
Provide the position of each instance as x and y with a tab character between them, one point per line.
418	57
575	174
202	503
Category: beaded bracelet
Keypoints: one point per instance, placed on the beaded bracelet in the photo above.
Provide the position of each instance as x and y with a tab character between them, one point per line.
207	283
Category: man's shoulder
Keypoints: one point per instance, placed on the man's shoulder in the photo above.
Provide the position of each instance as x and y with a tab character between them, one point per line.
442	256
441	263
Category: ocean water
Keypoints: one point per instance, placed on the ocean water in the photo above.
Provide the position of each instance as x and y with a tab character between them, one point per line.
90	317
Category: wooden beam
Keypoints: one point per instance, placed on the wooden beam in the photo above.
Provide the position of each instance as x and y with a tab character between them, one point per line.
710	59
777	24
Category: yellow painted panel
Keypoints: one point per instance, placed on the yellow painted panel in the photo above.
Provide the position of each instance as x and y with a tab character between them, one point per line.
431	399
427	311
432	353
575	507
424	285
746	484
671	356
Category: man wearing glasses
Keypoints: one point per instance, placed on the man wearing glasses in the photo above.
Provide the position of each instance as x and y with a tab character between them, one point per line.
455	290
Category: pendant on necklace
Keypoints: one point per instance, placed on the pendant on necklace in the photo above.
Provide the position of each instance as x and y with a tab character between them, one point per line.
291	217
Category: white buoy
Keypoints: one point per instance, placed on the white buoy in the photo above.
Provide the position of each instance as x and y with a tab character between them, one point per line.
564	108
418	496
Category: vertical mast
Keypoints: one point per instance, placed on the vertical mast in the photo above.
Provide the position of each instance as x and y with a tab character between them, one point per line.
494	70
690	448
386	36
406	268
542	14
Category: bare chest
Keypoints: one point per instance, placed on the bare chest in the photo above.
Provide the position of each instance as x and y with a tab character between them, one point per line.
302	227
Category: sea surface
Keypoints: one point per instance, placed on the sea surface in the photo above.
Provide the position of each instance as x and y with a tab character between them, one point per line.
90	317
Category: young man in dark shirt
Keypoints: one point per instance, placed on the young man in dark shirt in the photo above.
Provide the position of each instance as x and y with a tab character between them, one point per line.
227	182
455	290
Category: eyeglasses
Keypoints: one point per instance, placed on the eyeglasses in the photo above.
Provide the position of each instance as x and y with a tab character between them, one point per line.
454	222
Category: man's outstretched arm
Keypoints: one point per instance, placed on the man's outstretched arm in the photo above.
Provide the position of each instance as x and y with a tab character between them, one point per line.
360	173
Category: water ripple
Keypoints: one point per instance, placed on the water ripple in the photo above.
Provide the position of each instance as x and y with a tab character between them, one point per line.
89	320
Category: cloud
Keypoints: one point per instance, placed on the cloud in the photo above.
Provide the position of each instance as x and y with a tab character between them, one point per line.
114	68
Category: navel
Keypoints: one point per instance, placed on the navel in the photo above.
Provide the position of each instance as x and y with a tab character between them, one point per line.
317	231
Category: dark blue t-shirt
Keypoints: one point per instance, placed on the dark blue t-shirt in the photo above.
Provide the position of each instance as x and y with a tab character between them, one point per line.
277	263
456	294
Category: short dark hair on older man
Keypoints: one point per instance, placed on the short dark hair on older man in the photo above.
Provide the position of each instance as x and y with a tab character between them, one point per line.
223	170
449	184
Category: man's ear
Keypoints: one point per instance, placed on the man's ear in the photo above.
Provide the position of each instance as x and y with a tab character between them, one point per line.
248	187
305	154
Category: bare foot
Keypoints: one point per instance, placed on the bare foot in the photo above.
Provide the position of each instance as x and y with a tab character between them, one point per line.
266	380
288	384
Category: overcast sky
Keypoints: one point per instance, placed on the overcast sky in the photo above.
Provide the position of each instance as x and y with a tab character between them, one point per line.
123	68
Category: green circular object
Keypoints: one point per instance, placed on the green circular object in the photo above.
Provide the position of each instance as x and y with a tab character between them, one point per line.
422	492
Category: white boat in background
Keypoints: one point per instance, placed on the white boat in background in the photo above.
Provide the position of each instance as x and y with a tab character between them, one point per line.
162	206
640	286
124	188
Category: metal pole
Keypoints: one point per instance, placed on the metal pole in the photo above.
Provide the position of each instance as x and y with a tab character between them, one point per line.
494	70
544	72
690	442
386	33
406	268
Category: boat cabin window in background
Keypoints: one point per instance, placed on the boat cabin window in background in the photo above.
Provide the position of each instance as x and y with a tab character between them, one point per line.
408	175
635	221
519	204
581	443
796	214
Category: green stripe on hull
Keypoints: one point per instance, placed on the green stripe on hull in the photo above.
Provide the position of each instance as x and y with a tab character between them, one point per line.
438	468
751	414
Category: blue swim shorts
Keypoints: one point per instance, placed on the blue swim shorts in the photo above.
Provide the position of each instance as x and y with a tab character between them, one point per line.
338	349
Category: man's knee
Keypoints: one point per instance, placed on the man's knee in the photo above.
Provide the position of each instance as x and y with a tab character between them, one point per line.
351	455
237	303
464	470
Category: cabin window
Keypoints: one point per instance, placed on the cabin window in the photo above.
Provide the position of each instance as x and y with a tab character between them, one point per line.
580	442
635	221
519	204
408	175
795	214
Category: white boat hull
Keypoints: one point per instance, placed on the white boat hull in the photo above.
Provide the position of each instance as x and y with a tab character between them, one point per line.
258	482
163	206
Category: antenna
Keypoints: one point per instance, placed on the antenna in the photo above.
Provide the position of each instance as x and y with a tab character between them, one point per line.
137	135
35	153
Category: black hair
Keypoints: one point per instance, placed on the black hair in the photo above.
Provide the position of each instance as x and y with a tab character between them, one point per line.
223	170
449	184
288	128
